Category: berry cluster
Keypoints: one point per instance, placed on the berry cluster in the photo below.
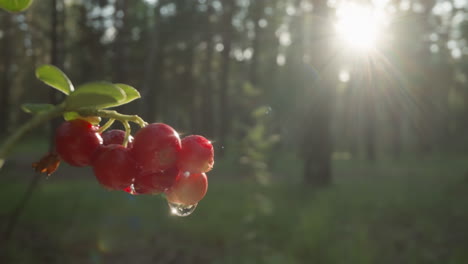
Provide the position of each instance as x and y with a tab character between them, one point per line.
154	161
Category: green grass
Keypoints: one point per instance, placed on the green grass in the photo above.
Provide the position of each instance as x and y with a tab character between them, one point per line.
413	211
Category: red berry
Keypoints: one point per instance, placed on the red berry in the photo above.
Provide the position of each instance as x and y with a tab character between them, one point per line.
188	189
156	182
113	167
129	190
156	147
116	136
197	155
76	141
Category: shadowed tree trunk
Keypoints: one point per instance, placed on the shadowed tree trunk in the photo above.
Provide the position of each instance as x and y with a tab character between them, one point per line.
120	52
207	117
152	73
369	96
56	36
189	87
318	98
395	109
369	126
225	115
6	54
257	10
395	120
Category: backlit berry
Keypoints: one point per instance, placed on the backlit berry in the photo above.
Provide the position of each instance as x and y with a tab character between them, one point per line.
116	136
197	155
155	182
113	167
76	141
156	147
188	189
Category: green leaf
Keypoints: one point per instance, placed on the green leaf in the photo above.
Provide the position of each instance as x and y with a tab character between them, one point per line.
95	95
95	120
55	78
132	93
15	5
36	108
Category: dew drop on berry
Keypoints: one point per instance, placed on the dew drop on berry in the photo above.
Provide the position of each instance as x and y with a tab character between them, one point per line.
181	210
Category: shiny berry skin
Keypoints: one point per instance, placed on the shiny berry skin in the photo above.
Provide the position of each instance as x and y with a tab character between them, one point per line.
188	189
113	167
197	155
76	141
116	136
156	147
130	190
155	182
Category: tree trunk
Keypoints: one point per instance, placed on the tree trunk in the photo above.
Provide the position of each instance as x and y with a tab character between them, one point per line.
189	87
6	54
120	52
396	135
317	138
316	118
152	77
394	107
207	111
257	10
225	115
369	127
54	97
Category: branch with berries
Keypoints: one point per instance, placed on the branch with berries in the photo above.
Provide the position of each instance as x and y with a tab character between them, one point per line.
155	161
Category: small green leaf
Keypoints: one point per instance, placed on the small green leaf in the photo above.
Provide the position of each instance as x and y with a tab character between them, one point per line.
15	5
132	93
95	95
36	108
95	120
55	78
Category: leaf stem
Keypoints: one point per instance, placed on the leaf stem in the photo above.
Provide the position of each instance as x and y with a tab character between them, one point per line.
35	121
106	125
128	131
111	114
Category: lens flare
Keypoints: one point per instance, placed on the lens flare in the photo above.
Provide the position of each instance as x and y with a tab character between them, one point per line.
359	26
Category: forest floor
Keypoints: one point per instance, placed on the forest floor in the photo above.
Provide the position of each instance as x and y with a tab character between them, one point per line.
408	211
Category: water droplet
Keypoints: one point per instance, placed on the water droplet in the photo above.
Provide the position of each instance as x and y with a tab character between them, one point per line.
181	210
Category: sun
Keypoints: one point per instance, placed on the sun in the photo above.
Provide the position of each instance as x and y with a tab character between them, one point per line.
359	26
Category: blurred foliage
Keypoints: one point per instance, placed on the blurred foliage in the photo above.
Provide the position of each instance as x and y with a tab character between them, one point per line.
16	5
412	210
164	48
257	79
